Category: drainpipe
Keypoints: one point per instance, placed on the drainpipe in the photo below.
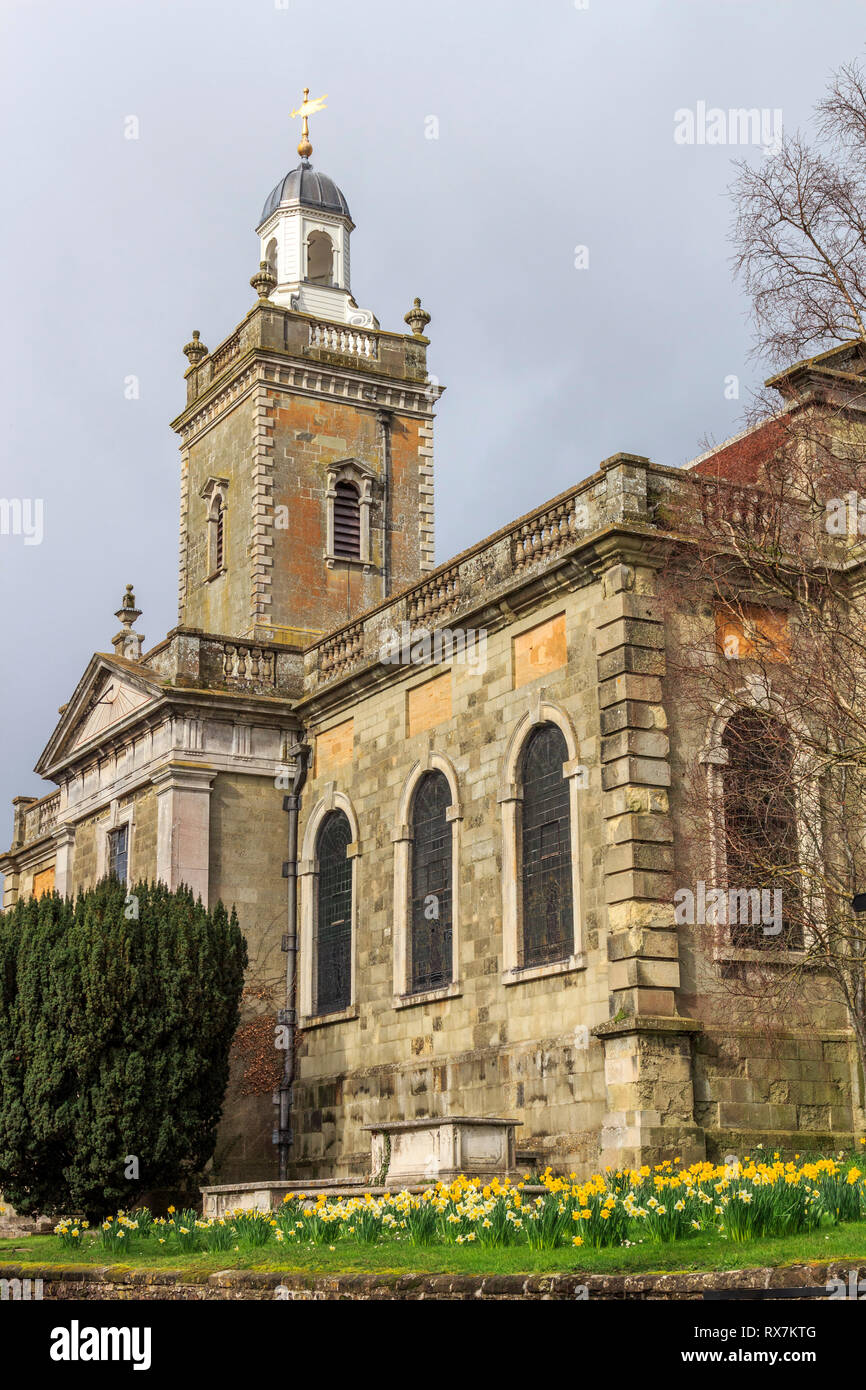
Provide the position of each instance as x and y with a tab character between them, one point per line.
298	755
384	418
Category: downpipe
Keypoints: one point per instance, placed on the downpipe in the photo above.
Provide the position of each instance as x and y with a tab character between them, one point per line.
299	756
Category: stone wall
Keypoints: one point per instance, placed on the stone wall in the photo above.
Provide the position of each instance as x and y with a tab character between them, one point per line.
500	1043
97	1283
248	845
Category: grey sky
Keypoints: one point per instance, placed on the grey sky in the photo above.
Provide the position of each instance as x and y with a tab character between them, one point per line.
555	130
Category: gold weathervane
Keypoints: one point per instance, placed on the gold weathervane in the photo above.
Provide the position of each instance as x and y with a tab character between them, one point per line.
305	110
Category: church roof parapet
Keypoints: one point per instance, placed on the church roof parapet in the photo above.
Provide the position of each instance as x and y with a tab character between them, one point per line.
630	504
275	330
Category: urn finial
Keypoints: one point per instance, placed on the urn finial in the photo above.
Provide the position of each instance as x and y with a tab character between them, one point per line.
417	318
195	350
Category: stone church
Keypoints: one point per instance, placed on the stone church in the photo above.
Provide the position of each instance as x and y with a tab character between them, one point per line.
485	755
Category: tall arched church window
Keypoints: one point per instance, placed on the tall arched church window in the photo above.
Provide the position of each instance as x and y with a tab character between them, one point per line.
430	965
334	915
760	832
546	870
347	521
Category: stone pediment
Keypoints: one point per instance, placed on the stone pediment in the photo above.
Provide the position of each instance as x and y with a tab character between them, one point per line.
110	691
114	701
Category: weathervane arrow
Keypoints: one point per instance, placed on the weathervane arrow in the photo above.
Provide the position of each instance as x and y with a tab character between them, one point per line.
305	110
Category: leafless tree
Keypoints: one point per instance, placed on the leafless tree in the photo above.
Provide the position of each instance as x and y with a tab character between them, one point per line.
766	583
766	591
799	229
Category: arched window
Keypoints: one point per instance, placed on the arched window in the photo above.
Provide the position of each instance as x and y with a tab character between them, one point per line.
430	964
334	915
347	521
546	871
271	254
320	259
760	832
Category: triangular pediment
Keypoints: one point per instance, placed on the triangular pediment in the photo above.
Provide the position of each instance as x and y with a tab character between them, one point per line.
111	693
113	702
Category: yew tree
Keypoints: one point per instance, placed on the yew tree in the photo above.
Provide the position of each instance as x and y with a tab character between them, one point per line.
117	1012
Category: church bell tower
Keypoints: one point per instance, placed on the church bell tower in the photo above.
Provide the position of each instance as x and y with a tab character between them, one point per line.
306	440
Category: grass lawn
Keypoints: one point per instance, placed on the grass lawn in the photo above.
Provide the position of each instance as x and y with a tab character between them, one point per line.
703	1252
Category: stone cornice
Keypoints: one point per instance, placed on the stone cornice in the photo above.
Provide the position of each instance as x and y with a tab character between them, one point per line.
228	392
267	709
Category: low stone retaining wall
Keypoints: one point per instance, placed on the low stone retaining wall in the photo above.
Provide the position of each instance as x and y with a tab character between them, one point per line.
114	1282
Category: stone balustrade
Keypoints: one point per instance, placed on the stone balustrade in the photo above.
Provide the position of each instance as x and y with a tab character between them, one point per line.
340	653
41	817
246	663
550	532
226	353
743	508
435	599
336	337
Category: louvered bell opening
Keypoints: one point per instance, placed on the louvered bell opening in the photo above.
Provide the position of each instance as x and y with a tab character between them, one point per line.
347	522
220	538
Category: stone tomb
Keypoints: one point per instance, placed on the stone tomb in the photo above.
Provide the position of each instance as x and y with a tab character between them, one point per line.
439	1149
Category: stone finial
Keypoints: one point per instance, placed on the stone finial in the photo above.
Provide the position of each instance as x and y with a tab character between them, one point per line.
263	281
417	318
128	643
195	350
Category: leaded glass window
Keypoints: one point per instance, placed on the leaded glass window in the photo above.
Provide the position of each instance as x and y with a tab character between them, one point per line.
430	947
118	852
761	848
547	912
334	924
